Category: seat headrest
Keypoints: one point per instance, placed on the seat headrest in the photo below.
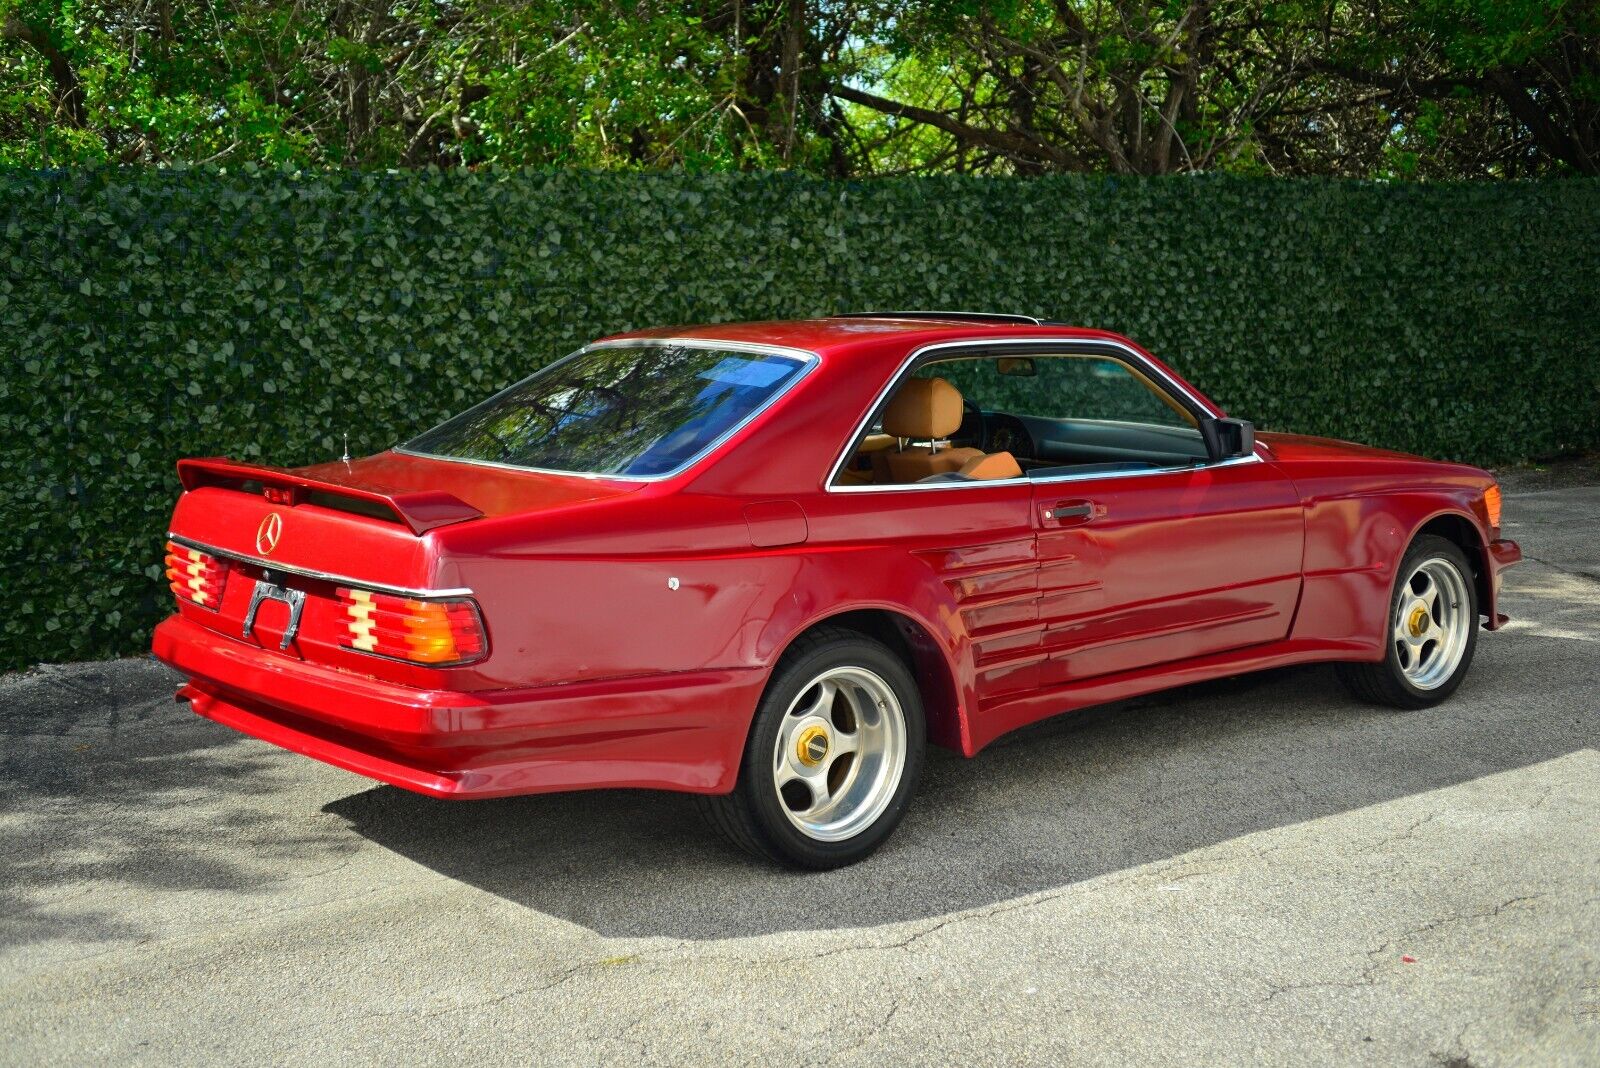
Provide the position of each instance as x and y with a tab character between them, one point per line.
923	408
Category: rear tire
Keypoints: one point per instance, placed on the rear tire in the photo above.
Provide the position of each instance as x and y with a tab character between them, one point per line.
833	756
1430	633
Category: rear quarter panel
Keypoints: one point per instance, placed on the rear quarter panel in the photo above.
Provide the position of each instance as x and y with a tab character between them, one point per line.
669	582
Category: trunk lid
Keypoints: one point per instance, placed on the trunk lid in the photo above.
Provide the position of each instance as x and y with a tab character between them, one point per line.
299	534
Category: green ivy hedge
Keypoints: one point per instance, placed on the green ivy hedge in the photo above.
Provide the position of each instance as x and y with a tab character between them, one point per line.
147	315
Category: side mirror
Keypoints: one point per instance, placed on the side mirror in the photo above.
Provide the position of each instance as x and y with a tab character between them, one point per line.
1227	439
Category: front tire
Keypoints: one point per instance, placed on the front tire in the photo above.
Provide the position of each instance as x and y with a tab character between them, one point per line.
1431	634
833	757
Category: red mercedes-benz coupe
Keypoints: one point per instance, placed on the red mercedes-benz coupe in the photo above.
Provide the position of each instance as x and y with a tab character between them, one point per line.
768	562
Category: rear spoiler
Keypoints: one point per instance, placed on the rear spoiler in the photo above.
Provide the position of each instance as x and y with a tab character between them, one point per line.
420	510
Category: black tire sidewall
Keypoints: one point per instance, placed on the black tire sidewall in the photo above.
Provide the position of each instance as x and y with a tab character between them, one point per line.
755	777
1422	549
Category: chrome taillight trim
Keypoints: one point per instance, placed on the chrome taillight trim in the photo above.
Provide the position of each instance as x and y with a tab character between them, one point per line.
324	576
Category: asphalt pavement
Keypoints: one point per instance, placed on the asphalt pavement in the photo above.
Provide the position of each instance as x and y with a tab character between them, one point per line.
1253	871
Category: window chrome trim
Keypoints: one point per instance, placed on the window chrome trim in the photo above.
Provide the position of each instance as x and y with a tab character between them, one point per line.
322	576
1011	318
808	363
1068	344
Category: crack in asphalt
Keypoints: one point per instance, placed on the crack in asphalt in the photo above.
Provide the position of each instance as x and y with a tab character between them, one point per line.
1444	921
554	980
1165	875
670	955
1574	572
1376	958
871	1033
1275	989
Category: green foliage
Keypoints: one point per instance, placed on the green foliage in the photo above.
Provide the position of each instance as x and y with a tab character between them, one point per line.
1416	89
605	84
147	315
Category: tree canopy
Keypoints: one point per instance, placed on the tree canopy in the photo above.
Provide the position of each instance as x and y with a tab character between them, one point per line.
1434	89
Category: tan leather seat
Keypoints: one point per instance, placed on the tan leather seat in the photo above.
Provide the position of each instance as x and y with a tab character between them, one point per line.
925	410
994	465
928	410
861	471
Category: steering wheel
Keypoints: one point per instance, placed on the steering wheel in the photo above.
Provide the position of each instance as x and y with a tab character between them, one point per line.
1008	434
974	427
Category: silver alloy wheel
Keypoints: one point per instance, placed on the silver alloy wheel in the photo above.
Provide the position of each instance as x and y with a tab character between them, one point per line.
840	753
1431	623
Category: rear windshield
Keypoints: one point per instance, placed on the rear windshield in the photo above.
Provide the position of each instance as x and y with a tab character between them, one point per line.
632	411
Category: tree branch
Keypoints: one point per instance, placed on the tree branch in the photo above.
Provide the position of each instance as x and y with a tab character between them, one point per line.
68	90
1003	141
1549	136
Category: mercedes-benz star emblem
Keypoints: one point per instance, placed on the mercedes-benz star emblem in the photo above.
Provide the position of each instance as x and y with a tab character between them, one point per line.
268	533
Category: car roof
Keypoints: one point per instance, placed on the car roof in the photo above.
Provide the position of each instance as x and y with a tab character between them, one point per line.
859	354
841	334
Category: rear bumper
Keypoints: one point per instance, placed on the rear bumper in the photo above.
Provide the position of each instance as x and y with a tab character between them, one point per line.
1499	555
681	731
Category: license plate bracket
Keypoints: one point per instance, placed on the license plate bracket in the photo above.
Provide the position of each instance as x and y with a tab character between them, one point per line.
267	590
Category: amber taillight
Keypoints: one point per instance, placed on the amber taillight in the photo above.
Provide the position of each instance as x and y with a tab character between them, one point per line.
195	576
439	633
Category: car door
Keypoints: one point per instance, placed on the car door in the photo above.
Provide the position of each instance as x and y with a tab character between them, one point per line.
1145	569
1155	557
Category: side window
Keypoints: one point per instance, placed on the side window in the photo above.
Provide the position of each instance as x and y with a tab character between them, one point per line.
1061	387
1051	414
1100	388
1057	413
976	379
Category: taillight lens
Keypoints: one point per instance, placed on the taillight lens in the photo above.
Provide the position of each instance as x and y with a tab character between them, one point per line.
438	633
195	576
1491	505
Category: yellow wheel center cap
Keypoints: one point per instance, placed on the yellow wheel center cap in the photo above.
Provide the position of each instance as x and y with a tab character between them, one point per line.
1418	621
812	745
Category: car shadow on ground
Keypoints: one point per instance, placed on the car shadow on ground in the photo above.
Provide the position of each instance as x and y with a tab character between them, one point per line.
1065	801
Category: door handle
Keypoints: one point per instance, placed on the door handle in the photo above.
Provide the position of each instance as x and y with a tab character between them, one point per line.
1068	513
